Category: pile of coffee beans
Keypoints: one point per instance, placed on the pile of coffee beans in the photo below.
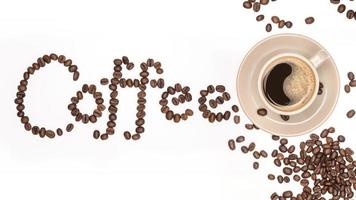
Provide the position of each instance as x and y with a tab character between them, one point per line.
350	14
85	118
22	88
322	166
256	5
185	96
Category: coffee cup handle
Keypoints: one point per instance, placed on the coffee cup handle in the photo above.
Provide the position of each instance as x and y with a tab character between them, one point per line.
319	58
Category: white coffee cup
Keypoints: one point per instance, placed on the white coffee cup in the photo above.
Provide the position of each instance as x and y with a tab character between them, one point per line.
312	63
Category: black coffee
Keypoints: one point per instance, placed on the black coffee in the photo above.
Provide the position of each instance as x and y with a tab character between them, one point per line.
274	82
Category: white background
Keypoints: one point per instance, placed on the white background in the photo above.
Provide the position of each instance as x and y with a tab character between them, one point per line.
199	43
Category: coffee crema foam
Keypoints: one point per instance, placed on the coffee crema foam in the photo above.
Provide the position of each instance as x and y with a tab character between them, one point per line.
299	86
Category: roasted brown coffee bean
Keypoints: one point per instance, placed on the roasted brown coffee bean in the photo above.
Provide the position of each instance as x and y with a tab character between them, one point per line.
350	76
262	112
280	179
268	27
127	135
251	146
213	103
235	108
219	100
227	115
287	194
236	119
140	129
352	83
281	24
271	177
249	126
309	20
160	83
244	149
69	127
96	134
275	19
275	137
256	7
350	14
263	153
341	8
347	88
264	2
169	115
104	136
59	132
287	171
240	139
50	134
212	117
260	18
256	155
256	165
247	4
350	113
189	112
220	88
76	76
104	81
232	145
289	24
341	138
136	136
226	96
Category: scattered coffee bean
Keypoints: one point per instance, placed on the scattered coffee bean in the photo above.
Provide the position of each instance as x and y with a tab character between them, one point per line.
240	139
309	20
232	145
262	112
69	127
350	113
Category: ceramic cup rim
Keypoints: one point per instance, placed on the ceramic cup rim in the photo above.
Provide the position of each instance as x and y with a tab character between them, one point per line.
267	67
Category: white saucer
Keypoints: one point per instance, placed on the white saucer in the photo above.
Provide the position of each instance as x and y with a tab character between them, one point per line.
250	100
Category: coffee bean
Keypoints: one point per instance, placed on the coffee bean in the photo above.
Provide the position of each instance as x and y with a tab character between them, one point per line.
212	117
287	194
256	7
69	127
219	117
127	135
136	136
260	18
341	138
287	171
244	149
352	83
50	134
104	136
263	153
277	162
281	24
280	179
220	88
341	8
240	139
256	165
227	115
213	103
59	132
247	4
283	141
226	96
350	14
271	177
289	24
262	112
275	19
256	155
268	27
275	137
189	112
251	146
309	20
236	119
232	145
76	76
96	134
347	88
235	108
249	126
350	76
350	113
104	81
